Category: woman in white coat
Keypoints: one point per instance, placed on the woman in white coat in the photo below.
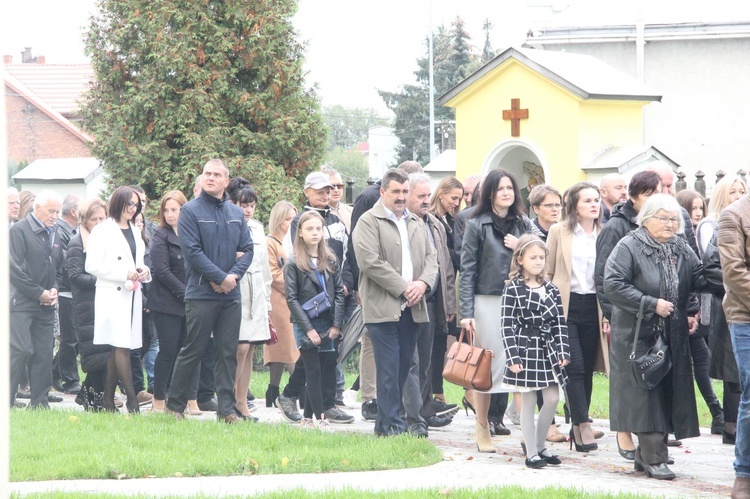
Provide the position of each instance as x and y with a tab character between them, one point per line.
255	287
115	257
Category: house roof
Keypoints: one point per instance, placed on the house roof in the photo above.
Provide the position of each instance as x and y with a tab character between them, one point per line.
445	162
623	158
17	86
61	86
60	169
583	75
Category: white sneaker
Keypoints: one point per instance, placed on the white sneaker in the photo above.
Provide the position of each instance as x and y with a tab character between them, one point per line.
307	424
350	398
324	425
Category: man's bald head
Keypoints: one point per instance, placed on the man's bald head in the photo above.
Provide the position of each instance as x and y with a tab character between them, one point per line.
666	175
613	189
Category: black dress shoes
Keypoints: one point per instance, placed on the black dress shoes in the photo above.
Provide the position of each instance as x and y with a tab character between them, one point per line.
497	428
72	389
418	430
438	421
659	471
209	405
51	397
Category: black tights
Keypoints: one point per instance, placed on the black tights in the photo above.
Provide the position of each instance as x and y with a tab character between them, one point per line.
276	369
118	367
701	359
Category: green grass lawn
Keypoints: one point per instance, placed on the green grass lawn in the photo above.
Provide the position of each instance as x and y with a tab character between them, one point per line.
46	445
508	492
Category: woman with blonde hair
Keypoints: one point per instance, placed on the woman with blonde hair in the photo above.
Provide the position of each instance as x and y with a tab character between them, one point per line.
91	213
284	353
721	360
444	205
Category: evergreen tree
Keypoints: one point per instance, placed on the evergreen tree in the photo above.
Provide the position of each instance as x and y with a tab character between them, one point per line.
179	82
487	52
453	58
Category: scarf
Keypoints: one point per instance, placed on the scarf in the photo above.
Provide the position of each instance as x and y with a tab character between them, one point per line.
666	255
503	225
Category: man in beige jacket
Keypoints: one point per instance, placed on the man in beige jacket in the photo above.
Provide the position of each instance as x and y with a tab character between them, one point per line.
397	265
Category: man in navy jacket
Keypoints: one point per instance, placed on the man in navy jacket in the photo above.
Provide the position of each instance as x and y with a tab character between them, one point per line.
212	232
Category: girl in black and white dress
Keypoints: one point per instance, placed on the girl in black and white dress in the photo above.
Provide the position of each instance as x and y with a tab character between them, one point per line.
536	344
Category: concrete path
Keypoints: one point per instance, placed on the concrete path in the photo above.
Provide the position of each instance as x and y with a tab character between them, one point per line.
703	467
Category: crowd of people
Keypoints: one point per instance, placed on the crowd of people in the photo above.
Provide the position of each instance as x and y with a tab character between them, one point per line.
601	275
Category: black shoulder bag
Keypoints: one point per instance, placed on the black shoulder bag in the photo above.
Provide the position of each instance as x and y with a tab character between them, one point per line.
649	368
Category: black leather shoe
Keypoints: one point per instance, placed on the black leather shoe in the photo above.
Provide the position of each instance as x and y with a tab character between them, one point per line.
418	430
673	443
438	421
209	405
23	394
370	410
549	458
659	471
626	453
497	428
51	397
72	389
57	385
535	463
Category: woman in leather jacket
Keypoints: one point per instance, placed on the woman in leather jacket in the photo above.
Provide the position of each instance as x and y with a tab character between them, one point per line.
488	243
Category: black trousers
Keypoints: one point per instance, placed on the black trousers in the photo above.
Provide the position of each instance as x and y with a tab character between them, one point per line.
439	347
31	340
701	360
65	363
172	333
732	392
653	447
136	367
295	388
319	366
206	385
583	336
222	317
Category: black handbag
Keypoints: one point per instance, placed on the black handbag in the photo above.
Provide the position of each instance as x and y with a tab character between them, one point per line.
649	368
307	344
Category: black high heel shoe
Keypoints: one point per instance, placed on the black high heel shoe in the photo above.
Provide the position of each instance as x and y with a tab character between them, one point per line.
467	406
627	454
580	447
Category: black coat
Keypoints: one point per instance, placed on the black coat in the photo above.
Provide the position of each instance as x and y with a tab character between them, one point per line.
34	265
723	364
630	274
485	260
167	293
301	286
83	288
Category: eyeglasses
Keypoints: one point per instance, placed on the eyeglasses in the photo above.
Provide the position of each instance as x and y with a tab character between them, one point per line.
668	220
132	204
338	186
549	206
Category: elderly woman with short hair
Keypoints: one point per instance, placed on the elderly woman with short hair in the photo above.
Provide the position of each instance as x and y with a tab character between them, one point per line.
655	265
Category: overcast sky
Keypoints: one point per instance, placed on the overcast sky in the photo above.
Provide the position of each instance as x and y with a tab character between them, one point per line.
355	48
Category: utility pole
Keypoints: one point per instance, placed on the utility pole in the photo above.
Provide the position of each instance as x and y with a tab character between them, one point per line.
432	95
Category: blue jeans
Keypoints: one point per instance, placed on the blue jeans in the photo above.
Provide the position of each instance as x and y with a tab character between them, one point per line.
393	344
741	345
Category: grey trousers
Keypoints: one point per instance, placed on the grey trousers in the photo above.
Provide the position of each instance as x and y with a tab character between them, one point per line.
653	447
418	389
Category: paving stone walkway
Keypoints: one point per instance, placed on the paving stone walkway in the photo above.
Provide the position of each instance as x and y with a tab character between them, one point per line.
703	466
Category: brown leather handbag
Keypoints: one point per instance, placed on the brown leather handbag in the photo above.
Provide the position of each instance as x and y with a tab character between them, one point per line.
468	366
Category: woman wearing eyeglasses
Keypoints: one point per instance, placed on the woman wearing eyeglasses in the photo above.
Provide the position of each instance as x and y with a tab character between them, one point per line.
570	266
546	201
653	270
115	256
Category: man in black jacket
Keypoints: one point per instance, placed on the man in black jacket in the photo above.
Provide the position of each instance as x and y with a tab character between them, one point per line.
35	259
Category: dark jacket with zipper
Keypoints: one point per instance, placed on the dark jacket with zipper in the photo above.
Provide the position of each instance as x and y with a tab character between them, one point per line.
83	287
301	286
212	231
167	294
34	265
485	260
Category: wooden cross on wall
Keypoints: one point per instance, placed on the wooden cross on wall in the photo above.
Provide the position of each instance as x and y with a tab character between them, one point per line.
515	114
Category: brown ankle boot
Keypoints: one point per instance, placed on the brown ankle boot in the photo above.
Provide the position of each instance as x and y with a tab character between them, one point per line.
741	488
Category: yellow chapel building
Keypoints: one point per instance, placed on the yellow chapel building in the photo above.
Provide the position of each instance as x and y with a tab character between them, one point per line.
551	117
